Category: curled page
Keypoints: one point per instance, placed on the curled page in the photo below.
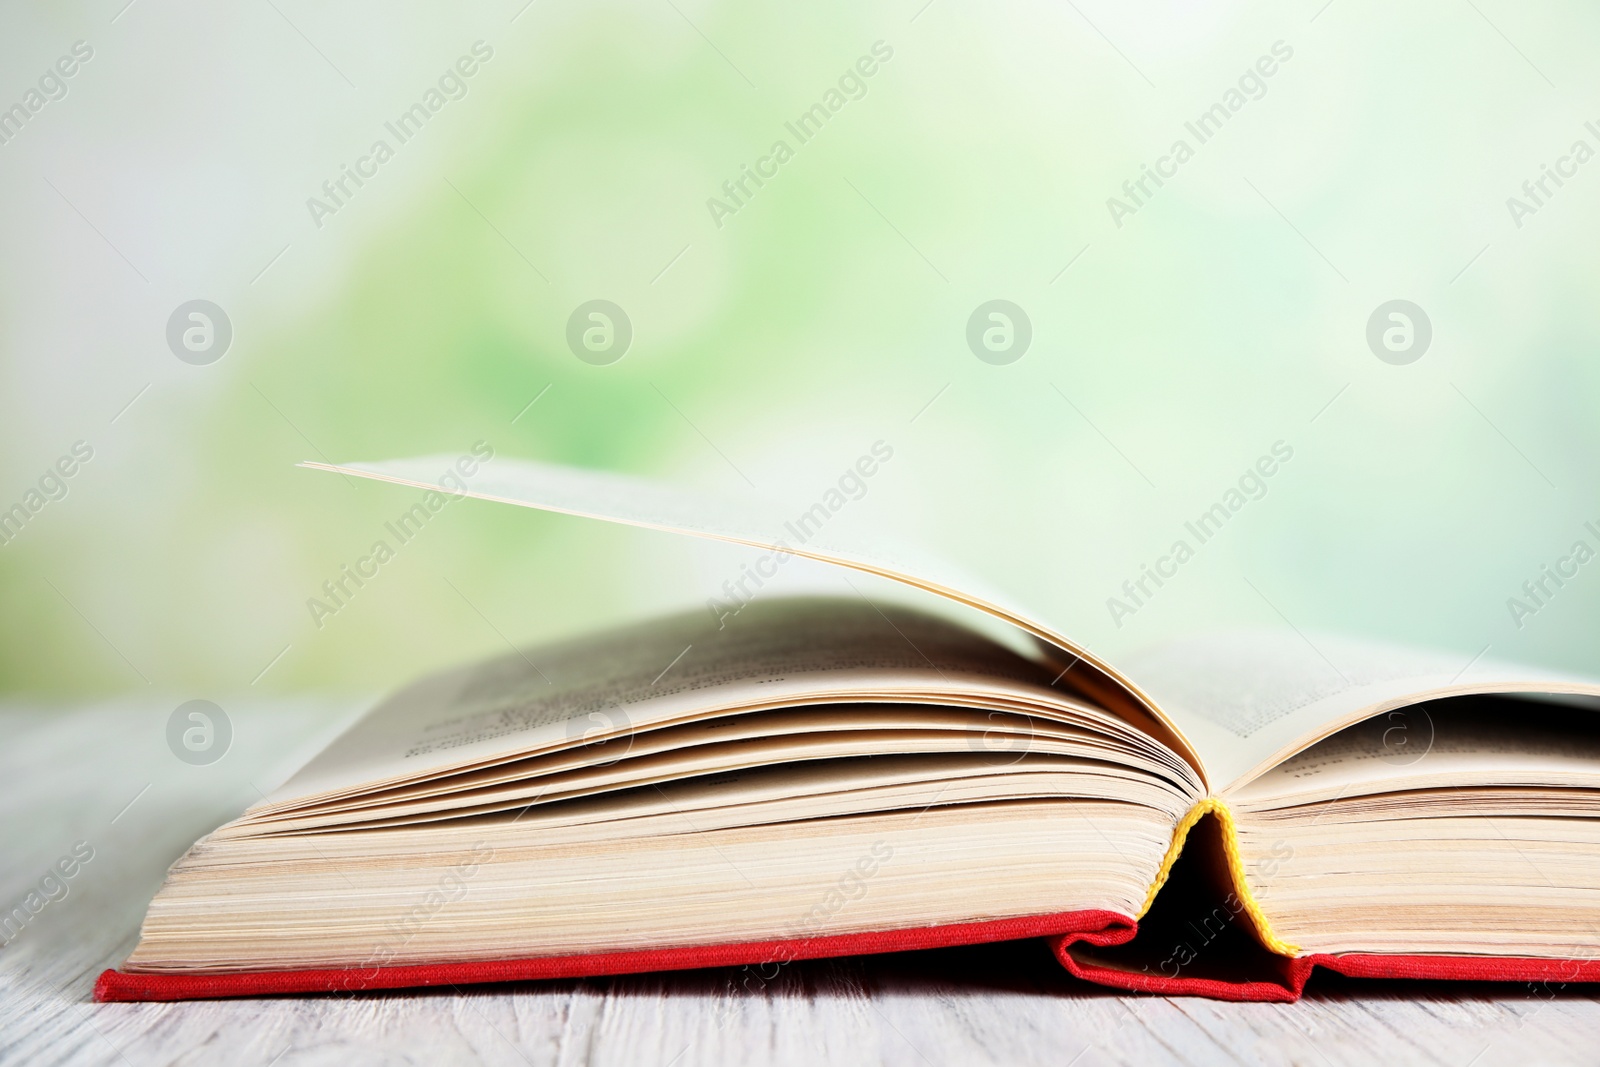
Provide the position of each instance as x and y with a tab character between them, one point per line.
758	523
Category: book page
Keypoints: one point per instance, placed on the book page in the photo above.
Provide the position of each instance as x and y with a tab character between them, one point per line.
1247	700
808	754
1004	736
1477	743
746	520
604	688
781	793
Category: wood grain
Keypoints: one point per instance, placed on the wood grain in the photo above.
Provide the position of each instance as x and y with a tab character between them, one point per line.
104	775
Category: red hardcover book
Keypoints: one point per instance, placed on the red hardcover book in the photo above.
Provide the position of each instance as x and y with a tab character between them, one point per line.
772	778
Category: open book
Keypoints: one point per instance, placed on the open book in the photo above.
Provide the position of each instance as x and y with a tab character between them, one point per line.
818	776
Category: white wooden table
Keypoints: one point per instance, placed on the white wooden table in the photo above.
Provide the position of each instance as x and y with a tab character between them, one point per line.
104	775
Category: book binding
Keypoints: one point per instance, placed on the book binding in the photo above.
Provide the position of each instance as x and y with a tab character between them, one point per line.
1089	927
1068	936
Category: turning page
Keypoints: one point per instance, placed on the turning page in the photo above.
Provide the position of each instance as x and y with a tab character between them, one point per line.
745	520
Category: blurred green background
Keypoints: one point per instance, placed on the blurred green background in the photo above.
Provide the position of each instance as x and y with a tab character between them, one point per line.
1229	312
